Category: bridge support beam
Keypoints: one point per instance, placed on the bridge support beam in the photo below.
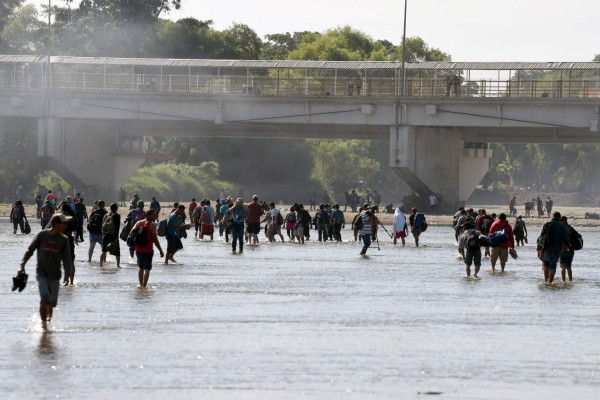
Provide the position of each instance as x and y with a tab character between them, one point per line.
85	154
438	160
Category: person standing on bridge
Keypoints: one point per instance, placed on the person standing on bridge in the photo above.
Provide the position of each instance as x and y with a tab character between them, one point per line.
359	83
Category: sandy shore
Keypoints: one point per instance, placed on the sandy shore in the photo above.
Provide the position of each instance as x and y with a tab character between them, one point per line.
575	214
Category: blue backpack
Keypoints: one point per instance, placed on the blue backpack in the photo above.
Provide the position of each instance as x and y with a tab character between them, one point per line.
498	238
419	219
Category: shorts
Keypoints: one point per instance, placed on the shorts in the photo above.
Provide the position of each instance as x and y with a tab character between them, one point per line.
416	232
400	235
145	260
48	289
499	252
253	227
471	258
566	258
173	244
106	240
550	260
208	229
96	238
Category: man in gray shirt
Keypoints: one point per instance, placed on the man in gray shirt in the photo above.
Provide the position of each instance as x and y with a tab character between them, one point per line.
52	247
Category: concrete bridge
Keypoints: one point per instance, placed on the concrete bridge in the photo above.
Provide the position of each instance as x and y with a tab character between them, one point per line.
86	109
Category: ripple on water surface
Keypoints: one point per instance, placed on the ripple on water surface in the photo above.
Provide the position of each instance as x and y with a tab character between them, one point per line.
291	321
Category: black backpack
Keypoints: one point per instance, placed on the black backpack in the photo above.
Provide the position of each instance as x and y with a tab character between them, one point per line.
95	224
359	222
472	244
576	240
321	217
486	225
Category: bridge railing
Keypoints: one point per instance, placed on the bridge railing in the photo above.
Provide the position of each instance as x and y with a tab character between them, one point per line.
297	82
313	87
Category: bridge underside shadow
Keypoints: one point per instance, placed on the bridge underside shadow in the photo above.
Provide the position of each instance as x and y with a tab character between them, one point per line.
449	162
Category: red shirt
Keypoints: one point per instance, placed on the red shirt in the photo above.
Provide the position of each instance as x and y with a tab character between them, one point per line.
498	225
192	207
255	211
148	227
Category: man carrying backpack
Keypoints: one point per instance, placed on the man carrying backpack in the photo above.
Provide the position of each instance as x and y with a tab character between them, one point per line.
520	231
132	218
320	223
553	239
277	219
95	227
470	249
501	251
110	234
46	212
17	216
417	223
567	254
483	223
338	222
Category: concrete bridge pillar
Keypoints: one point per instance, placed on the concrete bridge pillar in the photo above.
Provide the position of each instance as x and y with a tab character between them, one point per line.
86	154
438	160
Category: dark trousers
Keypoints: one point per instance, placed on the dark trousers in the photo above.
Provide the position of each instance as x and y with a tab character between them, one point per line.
237	233
337	232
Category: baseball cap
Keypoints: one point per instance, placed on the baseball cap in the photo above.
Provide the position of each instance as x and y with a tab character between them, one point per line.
61	217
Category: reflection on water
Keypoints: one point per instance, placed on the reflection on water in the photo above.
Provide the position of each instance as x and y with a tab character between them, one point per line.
46	346
291	321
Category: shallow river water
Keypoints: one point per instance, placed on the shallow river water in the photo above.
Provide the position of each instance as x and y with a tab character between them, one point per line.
315	321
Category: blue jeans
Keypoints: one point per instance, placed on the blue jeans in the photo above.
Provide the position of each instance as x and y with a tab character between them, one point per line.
366	243
237	232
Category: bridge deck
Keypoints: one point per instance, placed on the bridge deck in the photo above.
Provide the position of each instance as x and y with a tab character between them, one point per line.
303	78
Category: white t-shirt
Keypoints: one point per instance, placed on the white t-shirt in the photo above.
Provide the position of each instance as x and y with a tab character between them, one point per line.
432	200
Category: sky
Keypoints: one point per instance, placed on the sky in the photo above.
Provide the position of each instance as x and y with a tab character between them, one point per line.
468	30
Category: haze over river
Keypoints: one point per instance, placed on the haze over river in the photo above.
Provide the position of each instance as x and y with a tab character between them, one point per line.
316	321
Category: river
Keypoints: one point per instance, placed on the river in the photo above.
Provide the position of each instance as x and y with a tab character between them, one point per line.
292	321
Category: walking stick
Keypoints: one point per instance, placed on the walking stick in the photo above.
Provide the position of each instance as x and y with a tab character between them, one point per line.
386	231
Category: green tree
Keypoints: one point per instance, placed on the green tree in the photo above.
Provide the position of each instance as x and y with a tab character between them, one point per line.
278	46
188	38
7	10
342	164
119	28
240	42
24	33
339	44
